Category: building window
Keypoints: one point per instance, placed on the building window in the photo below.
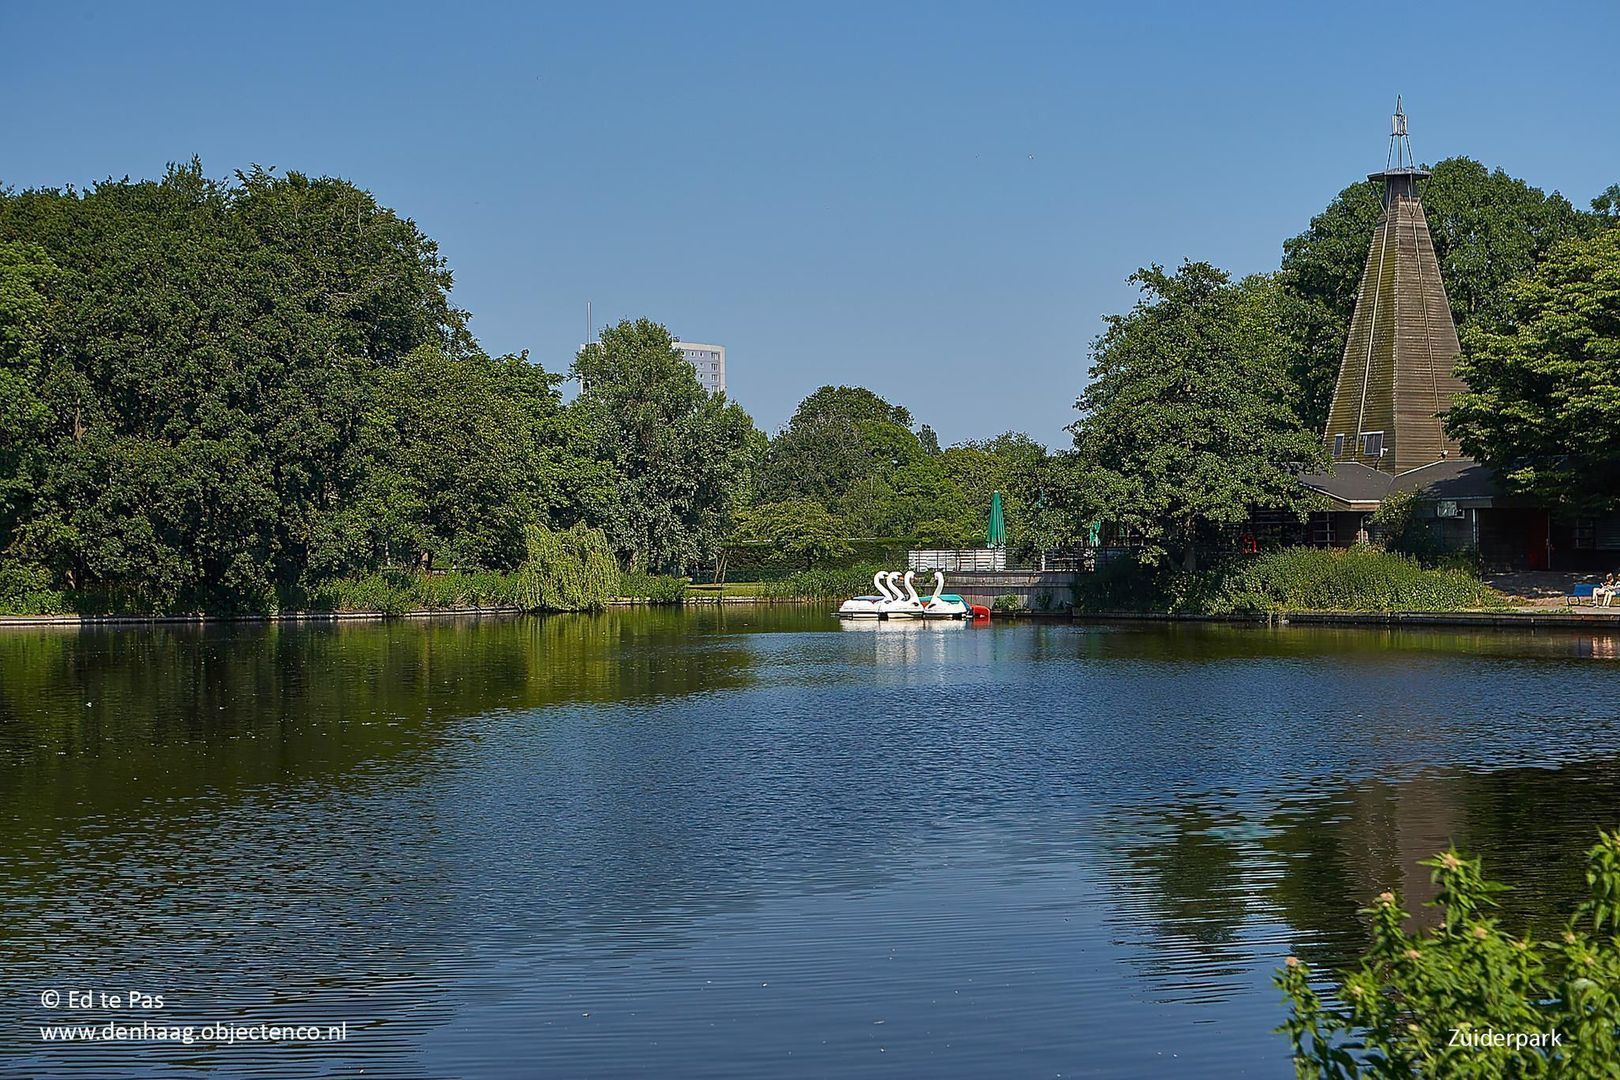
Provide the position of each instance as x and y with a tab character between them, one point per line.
1338	447
1372	443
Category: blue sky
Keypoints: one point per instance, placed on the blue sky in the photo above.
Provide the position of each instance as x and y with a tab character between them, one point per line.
937	201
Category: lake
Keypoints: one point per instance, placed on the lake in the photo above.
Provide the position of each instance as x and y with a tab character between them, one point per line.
746	842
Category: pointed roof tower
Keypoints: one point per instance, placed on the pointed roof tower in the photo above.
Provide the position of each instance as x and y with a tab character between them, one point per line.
1396	375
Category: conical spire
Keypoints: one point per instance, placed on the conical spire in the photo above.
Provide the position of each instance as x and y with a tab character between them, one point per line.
1396	375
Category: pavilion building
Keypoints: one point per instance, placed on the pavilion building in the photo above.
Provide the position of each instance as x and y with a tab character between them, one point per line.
1385	431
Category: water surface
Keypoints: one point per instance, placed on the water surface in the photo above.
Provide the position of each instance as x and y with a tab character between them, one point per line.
749	842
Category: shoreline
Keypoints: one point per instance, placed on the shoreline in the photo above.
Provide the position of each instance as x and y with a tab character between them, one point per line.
71	619
1504	620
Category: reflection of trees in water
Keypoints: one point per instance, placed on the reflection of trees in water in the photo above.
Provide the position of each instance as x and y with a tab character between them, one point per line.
1212	874
1533	827
1181	895
114	718
1199	643
238	813
1337	853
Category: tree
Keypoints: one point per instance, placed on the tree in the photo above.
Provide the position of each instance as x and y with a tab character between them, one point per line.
26	273
929	439
571	570
462	454
1018	467
224	394
676	459
1187	424
1487	226
1543	398
838	446
802	529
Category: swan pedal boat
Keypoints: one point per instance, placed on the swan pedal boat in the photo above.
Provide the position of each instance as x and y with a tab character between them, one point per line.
893	604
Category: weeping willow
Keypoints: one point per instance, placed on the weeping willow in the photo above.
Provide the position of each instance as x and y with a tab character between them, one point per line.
571	570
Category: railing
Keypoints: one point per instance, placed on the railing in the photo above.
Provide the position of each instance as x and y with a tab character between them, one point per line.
958	560
1083	560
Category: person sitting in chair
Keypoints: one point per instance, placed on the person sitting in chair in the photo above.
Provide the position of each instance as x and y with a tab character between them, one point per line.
1603	595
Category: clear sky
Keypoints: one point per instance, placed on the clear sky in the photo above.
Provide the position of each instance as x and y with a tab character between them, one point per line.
937	201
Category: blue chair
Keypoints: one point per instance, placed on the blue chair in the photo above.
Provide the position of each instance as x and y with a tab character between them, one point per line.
1583	591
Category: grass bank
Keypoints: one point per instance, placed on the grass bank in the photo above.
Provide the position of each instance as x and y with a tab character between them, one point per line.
1360	579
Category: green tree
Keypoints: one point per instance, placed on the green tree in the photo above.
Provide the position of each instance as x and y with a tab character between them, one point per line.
1543	399
1018	467
857	454
26	274
677	461
1487	226
802	529
1187	425
462	454
838	446
568	570
202	388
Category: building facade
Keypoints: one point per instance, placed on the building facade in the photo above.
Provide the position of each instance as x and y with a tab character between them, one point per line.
708	361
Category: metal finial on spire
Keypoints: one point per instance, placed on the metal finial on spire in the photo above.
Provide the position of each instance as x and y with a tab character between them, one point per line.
1400	144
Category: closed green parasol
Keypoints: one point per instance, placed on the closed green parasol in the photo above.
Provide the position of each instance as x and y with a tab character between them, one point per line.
996	535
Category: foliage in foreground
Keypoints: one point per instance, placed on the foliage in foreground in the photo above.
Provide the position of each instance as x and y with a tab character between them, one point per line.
1358	579
1469	999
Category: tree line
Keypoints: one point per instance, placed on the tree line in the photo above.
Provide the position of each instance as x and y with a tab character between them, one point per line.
217	395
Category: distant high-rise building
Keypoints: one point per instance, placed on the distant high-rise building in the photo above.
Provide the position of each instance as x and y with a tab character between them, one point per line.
709	361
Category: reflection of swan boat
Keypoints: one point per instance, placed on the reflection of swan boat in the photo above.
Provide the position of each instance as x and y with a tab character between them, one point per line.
894	604
900	627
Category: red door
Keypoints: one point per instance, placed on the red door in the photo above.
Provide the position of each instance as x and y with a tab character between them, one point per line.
1535	540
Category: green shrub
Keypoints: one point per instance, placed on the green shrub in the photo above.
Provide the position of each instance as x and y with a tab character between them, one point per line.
466	589
388	591
766	562
824	584
1419	1004
652	588
398	590
570	570
1359	579
1007	602
26	590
